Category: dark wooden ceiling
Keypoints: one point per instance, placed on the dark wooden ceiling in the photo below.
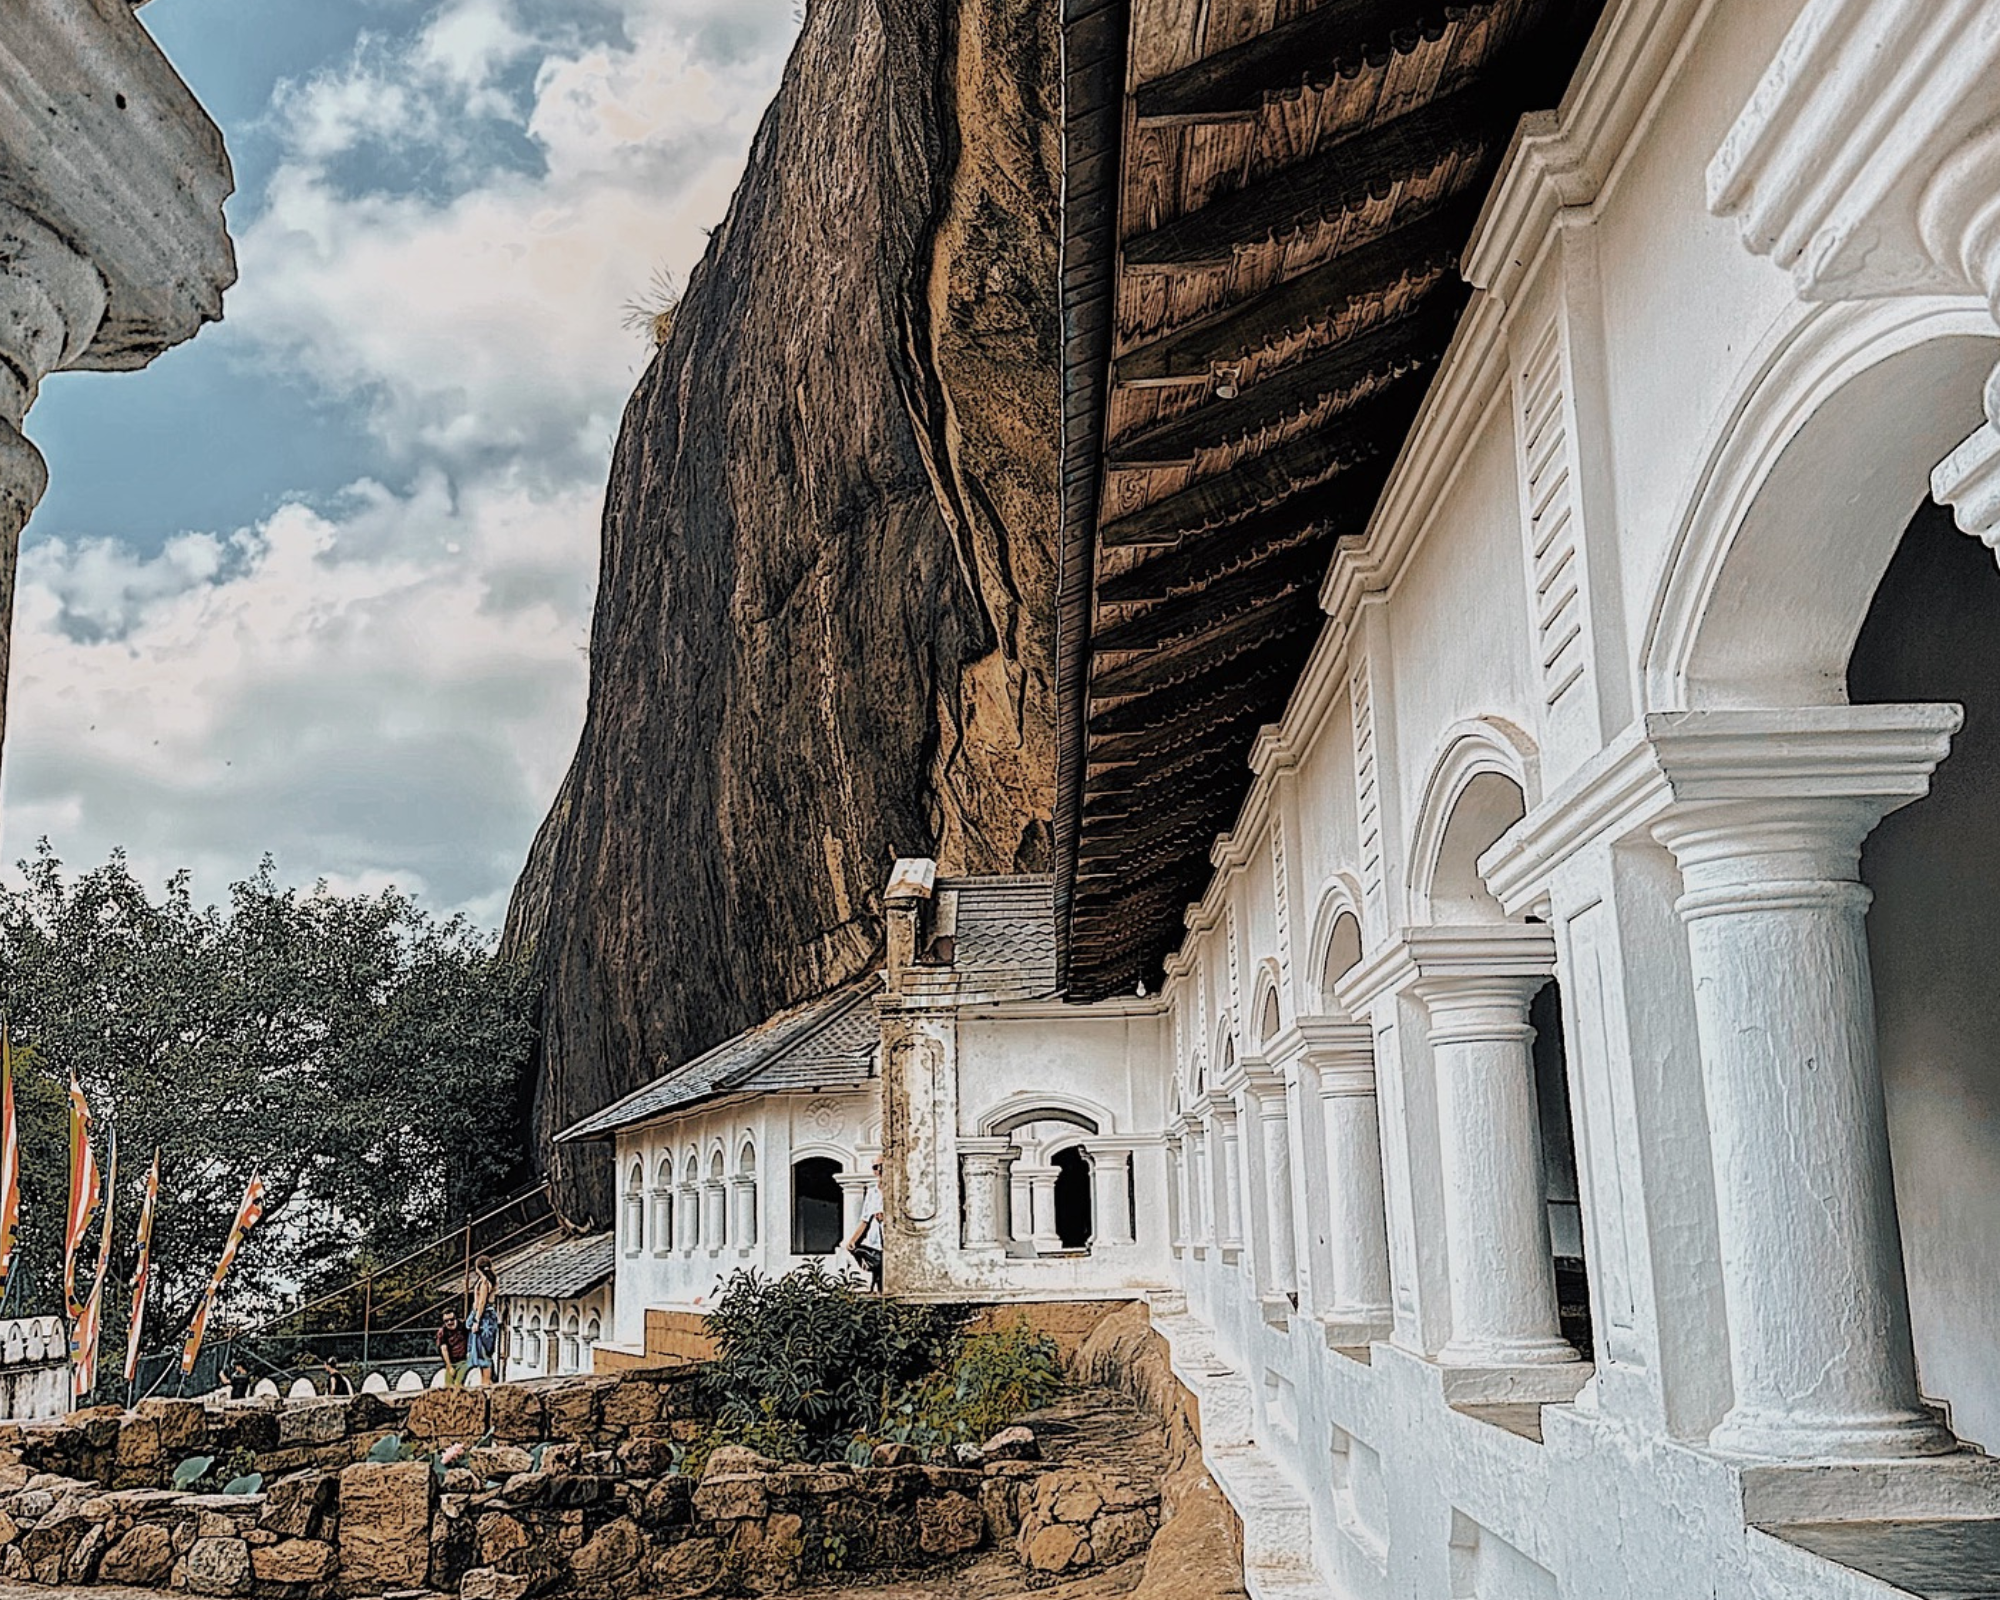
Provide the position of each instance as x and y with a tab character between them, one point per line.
1266	204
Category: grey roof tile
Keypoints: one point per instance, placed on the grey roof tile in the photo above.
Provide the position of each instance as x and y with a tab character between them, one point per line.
559	1268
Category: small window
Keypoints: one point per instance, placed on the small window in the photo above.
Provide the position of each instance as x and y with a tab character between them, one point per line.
817	1213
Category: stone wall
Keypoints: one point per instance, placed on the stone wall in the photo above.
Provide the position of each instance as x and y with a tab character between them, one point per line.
570	1486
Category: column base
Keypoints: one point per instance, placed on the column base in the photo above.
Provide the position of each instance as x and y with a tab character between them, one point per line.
1544	1352
1514	1385
1787	1436
1356	1328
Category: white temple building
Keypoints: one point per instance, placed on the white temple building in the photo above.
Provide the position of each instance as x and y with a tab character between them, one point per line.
1565	1156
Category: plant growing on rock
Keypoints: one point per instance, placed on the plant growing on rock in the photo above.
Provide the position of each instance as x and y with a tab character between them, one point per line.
992	1379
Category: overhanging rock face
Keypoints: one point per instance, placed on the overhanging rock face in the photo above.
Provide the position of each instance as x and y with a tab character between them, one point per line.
823	635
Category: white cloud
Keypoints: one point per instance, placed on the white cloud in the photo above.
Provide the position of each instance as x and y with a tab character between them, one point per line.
389	694
388	688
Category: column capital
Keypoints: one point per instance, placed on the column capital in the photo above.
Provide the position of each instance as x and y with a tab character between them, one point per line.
1429	960
1340	1052
1263	1082
985	1149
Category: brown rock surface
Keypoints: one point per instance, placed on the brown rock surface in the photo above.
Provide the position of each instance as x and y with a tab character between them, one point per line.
385	1521
294	1561
144	1556
825	615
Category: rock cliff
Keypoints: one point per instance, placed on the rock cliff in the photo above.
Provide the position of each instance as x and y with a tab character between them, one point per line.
824	615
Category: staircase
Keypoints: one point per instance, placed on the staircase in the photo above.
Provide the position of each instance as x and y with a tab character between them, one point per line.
1276	1518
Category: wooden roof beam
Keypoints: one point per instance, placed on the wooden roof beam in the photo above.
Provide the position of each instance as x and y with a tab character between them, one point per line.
1363	434
1337	510
1339	177
1335	41
1381	353
1165	719
1198	654
1417	245
1256	588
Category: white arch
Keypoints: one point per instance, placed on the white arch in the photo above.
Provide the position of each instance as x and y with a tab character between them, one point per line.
1469	750
1809	479
1031	1106
1339	897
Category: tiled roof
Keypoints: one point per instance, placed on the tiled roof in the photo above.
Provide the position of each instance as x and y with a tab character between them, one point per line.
826	1043
1005	936
559	1268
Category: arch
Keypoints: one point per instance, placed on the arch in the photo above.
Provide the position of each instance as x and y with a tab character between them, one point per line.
1266	1007
818	1206
1019	1109
1483	781
1339	907
1812	473
746	1158
593	1330
635	1208
716	1171
571	1347
531	1346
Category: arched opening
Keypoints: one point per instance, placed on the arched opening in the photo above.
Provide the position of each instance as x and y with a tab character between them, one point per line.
1075	1222
592	1330
663	1207
532	1353
746	1195
1268	1018
690	1204
715	1204
1934	869
1343	954
572	1354
1487	806
816	1206
635	1209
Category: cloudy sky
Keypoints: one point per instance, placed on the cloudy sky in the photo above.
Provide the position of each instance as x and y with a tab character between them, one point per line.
319	583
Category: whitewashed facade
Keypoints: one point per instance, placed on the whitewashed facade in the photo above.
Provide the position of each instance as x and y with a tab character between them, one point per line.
1600	964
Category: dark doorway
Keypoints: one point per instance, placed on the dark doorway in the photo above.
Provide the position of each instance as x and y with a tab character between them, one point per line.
816	1208
1559	1169
1074	1224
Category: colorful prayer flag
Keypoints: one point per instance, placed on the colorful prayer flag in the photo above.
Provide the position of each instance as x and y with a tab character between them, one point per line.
83	1193
10	1162
247	1215
143	1272
90	1326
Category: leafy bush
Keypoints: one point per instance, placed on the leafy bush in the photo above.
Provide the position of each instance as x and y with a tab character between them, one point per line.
803	1362
993	1378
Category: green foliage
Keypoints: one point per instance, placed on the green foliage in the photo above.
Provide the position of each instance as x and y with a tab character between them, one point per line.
367	1060
249	1483
192	1469
993	1378
386	1449
805	1362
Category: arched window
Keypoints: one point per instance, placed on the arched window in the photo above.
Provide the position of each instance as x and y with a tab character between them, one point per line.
716	1208
663	1206
1074	1221
572	1352
635	1209
591	1332
746	1196
532	1355
816	1207
1267	1022
690	1207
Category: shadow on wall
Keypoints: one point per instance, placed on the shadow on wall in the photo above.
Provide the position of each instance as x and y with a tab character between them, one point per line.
1933	633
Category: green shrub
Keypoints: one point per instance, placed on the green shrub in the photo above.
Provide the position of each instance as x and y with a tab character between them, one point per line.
993	1378
804	1362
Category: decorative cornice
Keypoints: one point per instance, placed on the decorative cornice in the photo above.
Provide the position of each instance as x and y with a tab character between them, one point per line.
1878	753
1968	480
1443	953
1826	168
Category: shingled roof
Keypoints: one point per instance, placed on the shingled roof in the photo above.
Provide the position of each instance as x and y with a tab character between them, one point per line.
824	1044
1265	207
559	1268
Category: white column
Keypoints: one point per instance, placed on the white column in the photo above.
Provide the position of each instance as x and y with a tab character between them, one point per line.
1201	1189
714	1216
1110	1192
1340	1062
1177	1219
1228	1165
1812	1267
853	1190
1041	1182
980	1162
746	1231
1503	1288
1277	1260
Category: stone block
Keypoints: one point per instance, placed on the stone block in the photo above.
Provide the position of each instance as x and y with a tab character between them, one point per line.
516	1413
893	1455
646	1458
669	1503
492	1462
576	1407
609	1555
218	1566
736	1458
1054	1547
1012	1444
298	1505
139	1447
769	1557
631	1403
309	1422
81	1567
182	1424
289	1561
499	1536
385	1516
439	1414
730	1497
949	1525
690	1568
486	1583
143	1558
1117	1535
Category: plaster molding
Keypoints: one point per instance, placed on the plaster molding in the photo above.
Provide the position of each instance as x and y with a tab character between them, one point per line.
1968	480
1444	953
1826	167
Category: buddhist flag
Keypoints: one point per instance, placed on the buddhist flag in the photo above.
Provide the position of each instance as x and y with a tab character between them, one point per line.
10	1162
83	1194
246	1219
143	1272
90	1326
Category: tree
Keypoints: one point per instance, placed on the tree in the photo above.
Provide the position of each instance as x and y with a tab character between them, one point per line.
367	1060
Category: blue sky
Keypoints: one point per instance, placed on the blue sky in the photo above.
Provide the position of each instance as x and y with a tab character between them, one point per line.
318	583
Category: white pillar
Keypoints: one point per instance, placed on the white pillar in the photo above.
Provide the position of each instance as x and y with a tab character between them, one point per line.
1201	1191
1228	1175
1819	1326
1277	1261
1110	1192
853	1190
980	1161
1177	1219
746	1231
714	1216
1041	1183
1354	1302
1503	1287
687	1218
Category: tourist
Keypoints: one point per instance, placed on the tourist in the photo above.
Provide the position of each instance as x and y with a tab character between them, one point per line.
451	1344
865	1243
337	1382
240	1379
484	1342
